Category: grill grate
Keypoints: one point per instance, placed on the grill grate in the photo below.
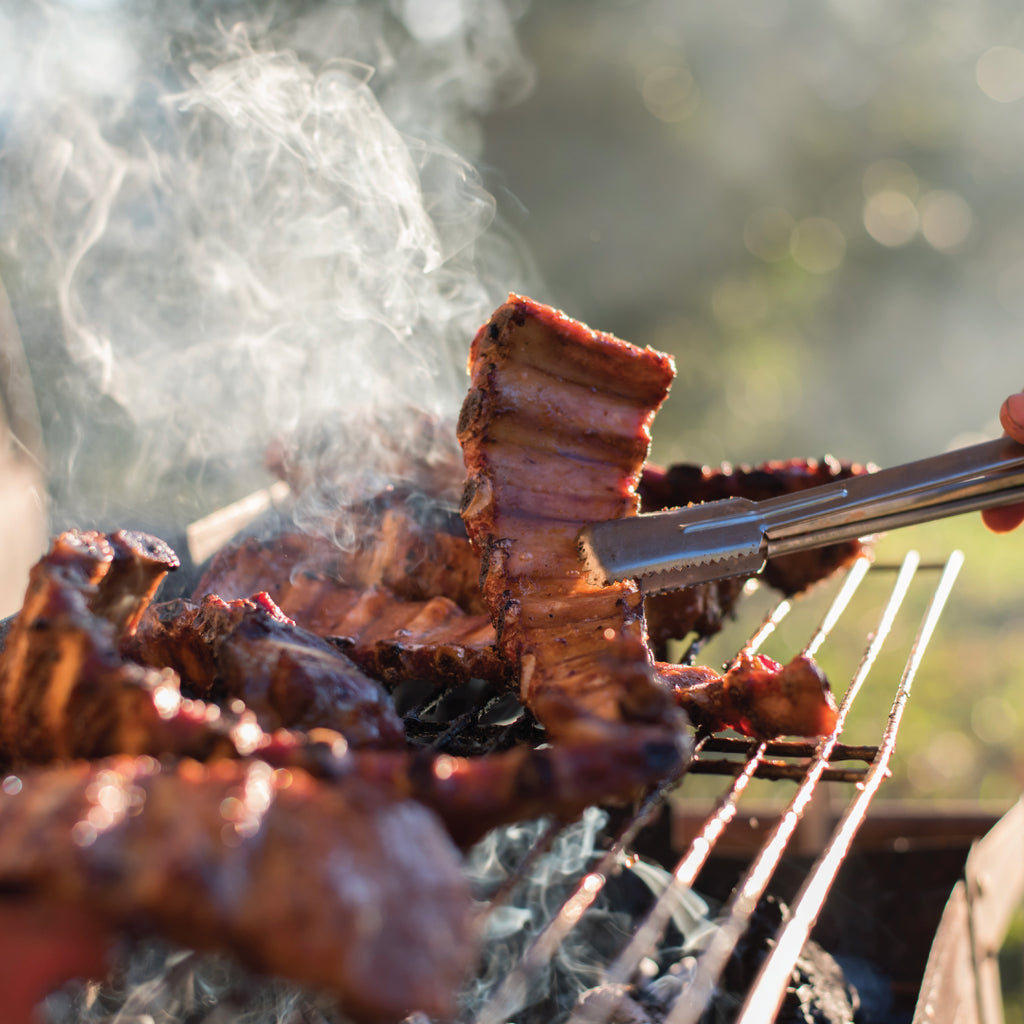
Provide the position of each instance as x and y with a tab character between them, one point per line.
740	761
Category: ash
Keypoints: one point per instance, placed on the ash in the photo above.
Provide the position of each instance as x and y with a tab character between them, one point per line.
579	962
158	984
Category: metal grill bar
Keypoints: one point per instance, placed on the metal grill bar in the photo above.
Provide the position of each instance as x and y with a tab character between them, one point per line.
766	994
688	1009
645	937
653	926
758	759
508	996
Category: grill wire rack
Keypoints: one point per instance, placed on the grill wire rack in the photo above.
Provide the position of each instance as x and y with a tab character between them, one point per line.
475	719
480	727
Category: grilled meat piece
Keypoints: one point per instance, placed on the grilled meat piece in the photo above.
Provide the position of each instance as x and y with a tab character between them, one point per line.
67	692
703	609
756	697
554	431
393	638
405	603
66	689
472	795
414	557
249	650
138	567
83	699
207	856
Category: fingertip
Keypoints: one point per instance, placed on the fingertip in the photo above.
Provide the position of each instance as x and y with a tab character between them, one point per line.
1003	520
1011	416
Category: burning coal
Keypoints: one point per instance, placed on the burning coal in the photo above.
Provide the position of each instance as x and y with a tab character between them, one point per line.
220	224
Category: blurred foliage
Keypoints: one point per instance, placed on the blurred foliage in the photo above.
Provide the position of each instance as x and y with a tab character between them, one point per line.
815	207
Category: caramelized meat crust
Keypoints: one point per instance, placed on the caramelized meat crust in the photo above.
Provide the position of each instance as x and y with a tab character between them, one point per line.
756	697
206	856
249	650
85	699
554	430
408	608
414	557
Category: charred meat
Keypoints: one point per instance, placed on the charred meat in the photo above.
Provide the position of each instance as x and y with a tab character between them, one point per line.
206	856
249	650
756	697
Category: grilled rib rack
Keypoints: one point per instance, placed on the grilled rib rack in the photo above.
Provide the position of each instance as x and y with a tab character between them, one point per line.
739	761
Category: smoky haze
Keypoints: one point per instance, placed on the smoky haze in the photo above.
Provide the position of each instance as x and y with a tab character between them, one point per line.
221	224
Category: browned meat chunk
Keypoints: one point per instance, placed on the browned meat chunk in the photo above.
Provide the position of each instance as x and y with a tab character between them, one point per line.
249	650
406	606
756	697
329	886
83	699
555	430
414	559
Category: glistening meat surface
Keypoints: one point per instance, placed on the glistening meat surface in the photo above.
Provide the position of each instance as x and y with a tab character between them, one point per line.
555	430
209	856
249	650
80	696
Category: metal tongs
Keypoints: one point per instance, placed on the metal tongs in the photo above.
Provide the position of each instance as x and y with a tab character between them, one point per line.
735	537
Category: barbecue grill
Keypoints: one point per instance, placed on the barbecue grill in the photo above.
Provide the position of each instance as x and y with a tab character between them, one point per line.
737	761
960	982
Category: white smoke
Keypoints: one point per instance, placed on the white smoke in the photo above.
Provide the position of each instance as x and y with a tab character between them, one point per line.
222	223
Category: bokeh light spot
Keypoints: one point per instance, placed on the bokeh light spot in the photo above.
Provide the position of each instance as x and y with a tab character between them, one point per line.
431	20
888	175
891	218
1000	73
817	245
767	232
993	720
668	93
946	219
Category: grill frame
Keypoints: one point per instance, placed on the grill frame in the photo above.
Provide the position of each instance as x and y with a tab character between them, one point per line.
743	760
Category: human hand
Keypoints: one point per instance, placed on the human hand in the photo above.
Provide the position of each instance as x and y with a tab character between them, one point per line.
1011	416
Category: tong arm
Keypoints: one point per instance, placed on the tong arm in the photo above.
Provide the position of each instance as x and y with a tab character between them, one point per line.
680	547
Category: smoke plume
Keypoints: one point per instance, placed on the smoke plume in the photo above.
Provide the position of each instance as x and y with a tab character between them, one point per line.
223	223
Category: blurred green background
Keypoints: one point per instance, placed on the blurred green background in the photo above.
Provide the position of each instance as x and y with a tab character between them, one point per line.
818	208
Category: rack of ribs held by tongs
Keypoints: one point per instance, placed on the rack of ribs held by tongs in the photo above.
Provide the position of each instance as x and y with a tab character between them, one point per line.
676	548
